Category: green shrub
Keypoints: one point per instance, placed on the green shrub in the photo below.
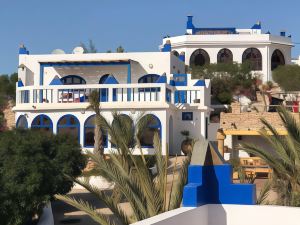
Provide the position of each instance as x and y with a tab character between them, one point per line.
33	166
287	77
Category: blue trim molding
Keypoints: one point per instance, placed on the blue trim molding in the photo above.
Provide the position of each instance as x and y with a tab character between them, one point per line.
42	121
213	185
200	83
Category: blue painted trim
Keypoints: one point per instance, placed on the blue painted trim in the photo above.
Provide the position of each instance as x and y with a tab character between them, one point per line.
77	125
182	57
56	81
20	83
18	120
180	97
92	126
189	23
166	48
213	185
187	116
42	125
162	79
23	51
62	64
200	83
256	26
111	80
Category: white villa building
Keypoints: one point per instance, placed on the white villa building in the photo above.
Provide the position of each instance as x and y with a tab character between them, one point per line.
200	46
53	91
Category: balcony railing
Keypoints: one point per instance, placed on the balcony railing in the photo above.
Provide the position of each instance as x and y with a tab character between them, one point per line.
109	93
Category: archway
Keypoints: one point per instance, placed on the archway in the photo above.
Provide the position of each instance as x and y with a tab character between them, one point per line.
199	58
277	59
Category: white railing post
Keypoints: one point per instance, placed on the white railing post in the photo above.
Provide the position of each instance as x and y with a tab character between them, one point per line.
110	94
163	93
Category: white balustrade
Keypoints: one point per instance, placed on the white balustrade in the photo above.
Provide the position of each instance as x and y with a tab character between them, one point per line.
150	92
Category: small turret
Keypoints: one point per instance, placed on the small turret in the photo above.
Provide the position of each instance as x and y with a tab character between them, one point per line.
189	25
23	50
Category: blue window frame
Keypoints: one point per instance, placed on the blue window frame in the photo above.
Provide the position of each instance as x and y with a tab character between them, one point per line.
180	97
42	122
89	133
22	122
147	136
72	80
69	124
187	116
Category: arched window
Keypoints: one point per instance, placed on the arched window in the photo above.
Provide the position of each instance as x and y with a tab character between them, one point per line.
225	56
70	125
123	124
42	122
89	133
103	91
199	58
253	57
154	125
277	59
174	52
148	78
22	122
72	79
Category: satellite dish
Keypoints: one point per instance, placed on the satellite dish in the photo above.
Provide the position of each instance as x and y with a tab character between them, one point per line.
78	50
58	52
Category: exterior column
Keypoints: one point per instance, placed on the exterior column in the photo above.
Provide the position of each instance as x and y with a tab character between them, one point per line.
220	138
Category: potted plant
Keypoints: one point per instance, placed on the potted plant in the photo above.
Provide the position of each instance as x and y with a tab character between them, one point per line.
187	143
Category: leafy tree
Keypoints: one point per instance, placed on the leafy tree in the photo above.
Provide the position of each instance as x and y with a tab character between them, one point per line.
287	77
283	159
226	79
33	166
91	48
120	49
145	192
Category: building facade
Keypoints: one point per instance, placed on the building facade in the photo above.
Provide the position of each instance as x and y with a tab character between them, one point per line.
200	46
53	95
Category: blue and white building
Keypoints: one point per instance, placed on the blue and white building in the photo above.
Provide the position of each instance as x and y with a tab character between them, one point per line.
53	92
200	46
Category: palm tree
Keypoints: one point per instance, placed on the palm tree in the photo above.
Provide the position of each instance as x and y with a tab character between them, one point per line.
145	191
94	101
284	158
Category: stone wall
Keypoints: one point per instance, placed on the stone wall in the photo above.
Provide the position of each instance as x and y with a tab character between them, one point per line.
9	116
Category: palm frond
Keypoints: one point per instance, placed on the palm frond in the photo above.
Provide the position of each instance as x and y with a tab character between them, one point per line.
264	193
87	208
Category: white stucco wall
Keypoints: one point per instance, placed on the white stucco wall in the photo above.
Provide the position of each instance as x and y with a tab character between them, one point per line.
227	215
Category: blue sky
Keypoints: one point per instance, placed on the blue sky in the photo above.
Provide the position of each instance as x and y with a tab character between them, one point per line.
137	25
